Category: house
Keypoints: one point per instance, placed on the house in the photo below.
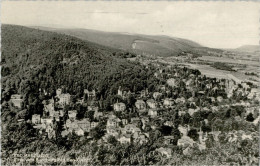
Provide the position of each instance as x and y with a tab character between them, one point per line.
189	83
58	92
119	106
73	126
51	134
17	100
113	121
187	151
64	99
171	82
49	106
181	112
167	152
61	112
144	93
48	127
156	74
145	120
84	124
79	132
80	101
184	130
245	85
219	99
64	133
253	93
124	121
185	141
202	137
125	138
56	115
136	130
157	95
151	103
180	100
214	108
142	139
93	124
135	120
191	111
162	87
128	129
212	99
46	121
139	138
209	86
68	123
169	123
168	102
36	119
120	92
168	140
140	105
112	131
98	115
152	112
72	114
92	108
191	99
91	94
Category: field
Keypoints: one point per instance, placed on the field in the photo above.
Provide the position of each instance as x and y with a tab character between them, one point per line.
228	60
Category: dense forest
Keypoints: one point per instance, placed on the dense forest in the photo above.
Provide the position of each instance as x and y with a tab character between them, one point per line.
45	60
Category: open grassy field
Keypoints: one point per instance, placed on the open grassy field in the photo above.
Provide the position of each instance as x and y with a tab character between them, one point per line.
216	73
229	60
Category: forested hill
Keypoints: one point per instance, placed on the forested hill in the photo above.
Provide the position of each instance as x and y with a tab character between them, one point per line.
142	44
34	59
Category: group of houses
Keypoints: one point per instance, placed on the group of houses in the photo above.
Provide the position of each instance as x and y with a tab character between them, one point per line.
150	109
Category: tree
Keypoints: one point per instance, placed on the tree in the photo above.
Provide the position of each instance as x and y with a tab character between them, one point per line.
192	133
112	140
90	115
210	141
97	132
250	117
80	111
206	128
177	135
166	130
186	118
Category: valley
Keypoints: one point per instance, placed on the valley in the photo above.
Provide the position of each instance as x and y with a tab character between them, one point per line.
83	97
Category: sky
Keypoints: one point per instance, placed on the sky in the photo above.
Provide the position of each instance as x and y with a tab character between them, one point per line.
212	24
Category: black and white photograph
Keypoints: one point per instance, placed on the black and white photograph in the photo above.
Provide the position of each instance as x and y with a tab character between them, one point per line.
130	83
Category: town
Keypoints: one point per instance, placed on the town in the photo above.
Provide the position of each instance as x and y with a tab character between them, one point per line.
185	107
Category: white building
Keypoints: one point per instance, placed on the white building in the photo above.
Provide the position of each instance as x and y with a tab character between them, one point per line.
140	104
151	103
64	99
36	119
119	107
168	102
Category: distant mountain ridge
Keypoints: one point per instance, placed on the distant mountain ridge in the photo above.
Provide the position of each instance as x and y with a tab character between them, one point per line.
248	48
137	43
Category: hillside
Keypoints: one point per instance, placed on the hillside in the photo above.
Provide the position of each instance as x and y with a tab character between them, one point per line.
34	59
141	44
248	48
